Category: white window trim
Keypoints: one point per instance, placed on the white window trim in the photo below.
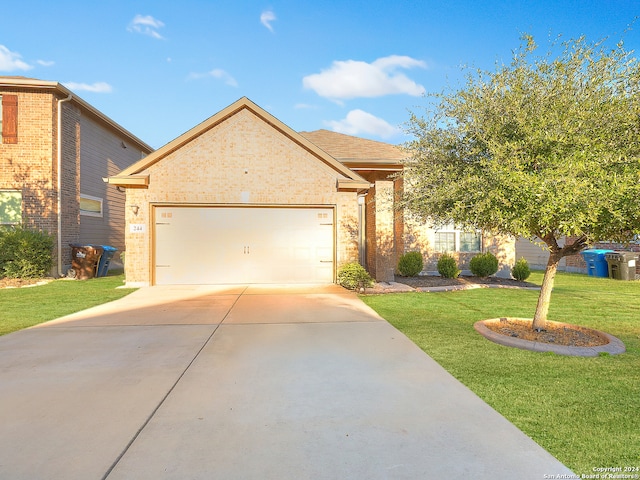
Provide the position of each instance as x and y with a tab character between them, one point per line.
456	236
95	199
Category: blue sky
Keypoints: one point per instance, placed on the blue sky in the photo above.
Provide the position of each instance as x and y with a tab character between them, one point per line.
160	68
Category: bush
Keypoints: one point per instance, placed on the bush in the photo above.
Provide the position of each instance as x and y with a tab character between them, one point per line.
410	264
353	276
25	253
521	270
484	265
447	266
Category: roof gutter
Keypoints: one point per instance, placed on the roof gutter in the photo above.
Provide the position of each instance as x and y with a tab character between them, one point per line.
59	165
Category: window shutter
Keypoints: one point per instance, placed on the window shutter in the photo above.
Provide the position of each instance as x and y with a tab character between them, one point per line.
9	119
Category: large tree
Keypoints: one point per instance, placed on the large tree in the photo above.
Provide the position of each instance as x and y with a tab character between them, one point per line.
547	146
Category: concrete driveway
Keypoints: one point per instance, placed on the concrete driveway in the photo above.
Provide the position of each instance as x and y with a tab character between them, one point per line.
243	383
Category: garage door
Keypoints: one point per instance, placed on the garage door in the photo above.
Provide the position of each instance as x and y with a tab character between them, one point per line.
221	245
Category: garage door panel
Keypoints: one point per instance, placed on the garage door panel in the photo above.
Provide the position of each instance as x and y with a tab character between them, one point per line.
209	245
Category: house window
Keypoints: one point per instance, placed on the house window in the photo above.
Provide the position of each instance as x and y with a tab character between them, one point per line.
445	242
470	241
10	207
90	206
451	239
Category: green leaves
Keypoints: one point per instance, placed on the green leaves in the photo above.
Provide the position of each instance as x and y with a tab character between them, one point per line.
546	144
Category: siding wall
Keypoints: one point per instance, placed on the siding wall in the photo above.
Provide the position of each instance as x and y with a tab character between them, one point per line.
103	154
536	254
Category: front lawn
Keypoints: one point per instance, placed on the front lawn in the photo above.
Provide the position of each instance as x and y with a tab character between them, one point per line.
24	307
584	411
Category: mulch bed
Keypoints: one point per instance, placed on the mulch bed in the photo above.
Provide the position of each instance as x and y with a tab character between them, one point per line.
438	281
558	334
22	282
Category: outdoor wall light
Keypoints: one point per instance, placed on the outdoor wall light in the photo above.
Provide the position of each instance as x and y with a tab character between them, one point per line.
134	209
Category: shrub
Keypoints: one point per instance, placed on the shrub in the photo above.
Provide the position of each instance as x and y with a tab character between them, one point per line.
25	253
484	265
447	266
410	264
353	276
521	270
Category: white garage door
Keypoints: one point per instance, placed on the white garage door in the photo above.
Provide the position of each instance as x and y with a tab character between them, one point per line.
219	245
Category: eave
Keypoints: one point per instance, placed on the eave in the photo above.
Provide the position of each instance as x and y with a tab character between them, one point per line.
130	181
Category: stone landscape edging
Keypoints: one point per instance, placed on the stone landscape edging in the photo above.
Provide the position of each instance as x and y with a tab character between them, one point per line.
614	347
396	287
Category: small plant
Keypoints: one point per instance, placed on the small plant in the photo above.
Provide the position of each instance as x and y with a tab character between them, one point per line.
354	277
447	266
25	253
410	264
484	265
521	270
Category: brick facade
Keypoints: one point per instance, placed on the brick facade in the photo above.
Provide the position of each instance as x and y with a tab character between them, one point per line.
419	237
388	238
241	161
392	229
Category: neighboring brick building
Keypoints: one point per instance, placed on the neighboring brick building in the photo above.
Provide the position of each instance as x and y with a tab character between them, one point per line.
46	127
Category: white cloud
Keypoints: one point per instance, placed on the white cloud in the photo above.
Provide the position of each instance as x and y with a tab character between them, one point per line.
358	122
98	87
10	61
266	18
46	63
353	79
146	25
218	74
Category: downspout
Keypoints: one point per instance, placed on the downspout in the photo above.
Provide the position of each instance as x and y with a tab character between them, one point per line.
362	228
59	162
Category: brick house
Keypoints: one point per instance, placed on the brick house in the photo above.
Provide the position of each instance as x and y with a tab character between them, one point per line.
388	233
243	198
55	150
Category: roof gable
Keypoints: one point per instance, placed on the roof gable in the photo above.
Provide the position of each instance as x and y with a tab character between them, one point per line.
133	176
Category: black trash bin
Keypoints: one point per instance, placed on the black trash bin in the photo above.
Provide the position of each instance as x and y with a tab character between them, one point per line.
105	260
622	265
84	260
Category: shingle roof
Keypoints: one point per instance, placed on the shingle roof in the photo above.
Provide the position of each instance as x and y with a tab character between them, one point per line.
354	150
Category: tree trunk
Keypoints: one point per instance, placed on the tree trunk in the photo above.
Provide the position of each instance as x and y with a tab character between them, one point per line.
542	308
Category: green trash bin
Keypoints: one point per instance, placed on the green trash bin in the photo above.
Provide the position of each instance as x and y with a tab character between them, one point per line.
622	265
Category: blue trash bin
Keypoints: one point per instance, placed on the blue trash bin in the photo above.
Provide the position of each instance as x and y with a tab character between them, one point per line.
105	259
596	261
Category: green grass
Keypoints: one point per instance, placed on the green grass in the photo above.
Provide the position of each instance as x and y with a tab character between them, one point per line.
24	307
584	411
